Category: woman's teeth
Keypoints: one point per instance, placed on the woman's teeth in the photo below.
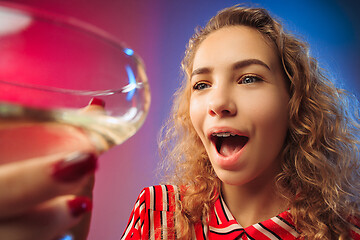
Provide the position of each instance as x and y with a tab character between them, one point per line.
223	134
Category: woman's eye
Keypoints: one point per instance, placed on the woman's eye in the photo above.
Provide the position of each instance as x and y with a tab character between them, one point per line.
250	79
200	86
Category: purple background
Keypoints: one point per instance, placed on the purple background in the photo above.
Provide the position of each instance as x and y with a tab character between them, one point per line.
158	31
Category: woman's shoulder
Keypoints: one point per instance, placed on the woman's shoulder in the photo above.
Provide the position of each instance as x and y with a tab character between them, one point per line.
160	197
154	209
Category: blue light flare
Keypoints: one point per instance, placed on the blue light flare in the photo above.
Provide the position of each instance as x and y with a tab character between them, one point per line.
132	82
128	51
67	237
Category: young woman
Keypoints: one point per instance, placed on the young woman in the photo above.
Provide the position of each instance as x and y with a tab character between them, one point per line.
260	144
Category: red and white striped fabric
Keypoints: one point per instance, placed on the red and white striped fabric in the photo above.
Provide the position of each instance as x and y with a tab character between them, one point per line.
153	218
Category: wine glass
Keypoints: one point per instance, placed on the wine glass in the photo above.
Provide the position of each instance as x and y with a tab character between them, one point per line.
58	73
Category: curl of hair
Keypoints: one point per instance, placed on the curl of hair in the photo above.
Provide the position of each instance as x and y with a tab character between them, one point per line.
320	168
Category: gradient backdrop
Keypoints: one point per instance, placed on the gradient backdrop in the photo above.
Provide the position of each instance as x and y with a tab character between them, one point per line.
158	31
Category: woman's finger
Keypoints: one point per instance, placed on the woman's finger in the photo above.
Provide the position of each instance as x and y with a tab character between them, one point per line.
28	183
48	220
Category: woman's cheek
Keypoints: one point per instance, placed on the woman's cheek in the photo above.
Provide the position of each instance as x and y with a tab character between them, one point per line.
195	112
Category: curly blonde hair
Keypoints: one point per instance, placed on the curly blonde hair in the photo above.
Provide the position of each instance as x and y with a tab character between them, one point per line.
320	167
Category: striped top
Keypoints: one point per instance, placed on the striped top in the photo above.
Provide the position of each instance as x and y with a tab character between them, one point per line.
154	210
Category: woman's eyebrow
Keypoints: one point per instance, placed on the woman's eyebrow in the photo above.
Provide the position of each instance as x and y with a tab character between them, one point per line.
236	65
204	70
247	62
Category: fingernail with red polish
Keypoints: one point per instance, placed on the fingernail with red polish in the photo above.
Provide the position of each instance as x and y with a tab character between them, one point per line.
74	167
97	101
79	206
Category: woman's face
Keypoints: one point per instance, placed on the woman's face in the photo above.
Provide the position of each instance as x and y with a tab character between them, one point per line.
239	104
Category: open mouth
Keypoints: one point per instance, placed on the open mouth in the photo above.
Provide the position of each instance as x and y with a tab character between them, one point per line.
227	143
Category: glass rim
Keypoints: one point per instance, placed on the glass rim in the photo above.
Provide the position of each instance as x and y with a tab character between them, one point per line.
128	88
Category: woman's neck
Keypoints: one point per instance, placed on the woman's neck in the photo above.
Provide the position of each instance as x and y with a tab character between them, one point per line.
253	202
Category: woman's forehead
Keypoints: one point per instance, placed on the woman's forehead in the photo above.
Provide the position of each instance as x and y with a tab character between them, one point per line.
232	44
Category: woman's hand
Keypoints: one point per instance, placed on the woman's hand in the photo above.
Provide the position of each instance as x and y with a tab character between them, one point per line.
38	196
45	172
46	179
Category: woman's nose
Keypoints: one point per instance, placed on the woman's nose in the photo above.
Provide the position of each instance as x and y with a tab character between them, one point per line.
221	104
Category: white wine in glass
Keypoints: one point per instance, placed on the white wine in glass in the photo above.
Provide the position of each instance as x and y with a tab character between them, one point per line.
62	79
